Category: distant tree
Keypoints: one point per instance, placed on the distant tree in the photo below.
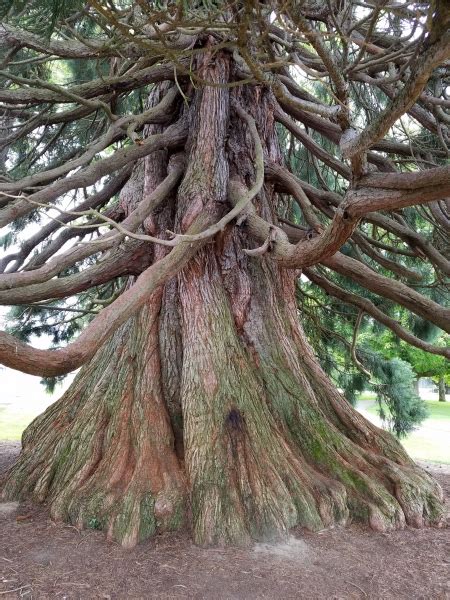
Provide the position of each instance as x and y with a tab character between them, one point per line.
168	170
428	365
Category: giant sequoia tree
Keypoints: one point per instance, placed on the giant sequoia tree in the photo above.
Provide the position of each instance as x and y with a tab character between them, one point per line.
152	206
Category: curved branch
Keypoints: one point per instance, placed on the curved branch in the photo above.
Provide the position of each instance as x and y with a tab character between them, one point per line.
92	89
128	259
94	201
369	307
436	54
50	363
393	266
157	114
419	244
392	191
306	252
11	36
172	137
323	199
311	145
11	281
394	290
248	196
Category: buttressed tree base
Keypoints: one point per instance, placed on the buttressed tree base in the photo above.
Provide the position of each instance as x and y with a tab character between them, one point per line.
200	403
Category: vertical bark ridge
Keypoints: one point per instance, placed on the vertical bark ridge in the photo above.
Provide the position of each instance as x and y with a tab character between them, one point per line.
210	403
246	482
107	445
383	485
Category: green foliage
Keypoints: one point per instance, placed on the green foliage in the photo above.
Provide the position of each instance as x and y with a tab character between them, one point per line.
329	325
7	240
50	383
399	405
425	364
39	16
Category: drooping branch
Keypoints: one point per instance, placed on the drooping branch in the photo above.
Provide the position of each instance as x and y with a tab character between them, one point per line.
172	137
356	204
93	48
50	363
394	290
128	259
324	200
312	146
92	89
150	51
369	307
394	266
10	282
435	55
94	201
118	130
421	246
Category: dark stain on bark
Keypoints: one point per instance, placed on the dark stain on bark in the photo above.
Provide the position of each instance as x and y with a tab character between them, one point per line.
234	420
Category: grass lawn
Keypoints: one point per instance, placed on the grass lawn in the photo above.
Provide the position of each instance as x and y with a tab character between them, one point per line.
431	440
423	446
13	423
22	399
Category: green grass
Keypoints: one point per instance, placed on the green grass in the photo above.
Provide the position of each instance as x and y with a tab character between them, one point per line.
422	446
12	424
367	397
430	442
438	411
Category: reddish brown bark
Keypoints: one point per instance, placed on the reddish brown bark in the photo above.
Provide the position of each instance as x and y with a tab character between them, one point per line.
209	407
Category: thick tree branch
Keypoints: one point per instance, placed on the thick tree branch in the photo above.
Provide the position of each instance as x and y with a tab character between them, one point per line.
435	55
92	89
394	290
172	137
12	36
13	281
118	130
372	310
94	201
50	363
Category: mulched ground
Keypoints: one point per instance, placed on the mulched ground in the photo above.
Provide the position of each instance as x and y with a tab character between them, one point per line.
41	559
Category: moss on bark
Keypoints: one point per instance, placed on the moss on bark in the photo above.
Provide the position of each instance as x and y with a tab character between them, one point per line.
209	409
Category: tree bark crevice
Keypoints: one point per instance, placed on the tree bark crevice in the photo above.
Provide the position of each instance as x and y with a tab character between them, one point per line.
208	408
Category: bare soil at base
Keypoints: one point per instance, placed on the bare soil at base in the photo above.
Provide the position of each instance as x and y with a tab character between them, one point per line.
42	559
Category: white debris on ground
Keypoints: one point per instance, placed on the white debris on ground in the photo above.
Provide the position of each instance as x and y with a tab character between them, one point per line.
291	549
7	509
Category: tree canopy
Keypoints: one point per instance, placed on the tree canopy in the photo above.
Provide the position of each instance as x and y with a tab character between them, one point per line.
361	88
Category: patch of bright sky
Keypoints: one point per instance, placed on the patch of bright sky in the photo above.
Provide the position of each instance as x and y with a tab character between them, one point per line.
22	393
300	75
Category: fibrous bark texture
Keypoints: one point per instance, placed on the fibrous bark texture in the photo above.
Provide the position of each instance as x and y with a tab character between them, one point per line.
209	409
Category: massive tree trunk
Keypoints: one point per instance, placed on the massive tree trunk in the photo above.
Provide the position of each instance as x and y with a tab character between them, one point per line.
208	409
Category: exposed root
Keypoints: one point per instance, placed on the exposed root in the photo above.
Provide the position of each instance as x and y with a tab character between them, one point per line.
103	455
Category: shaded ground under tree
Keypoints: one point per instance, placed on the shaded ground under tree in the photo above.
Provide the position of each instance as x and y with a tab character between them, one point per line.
44	560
